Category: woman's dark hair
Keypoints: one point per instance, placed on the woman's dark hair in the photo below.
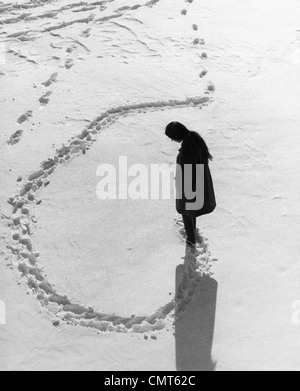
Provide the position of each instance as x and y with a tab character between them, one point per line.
178	132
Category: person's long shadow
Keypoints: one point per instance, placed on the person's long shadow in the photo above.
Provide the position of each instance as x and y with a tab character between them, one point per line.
195	319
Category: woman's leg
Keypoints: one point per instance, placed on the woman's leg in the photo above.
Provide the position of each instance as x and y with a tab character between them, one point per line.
189	225
195	222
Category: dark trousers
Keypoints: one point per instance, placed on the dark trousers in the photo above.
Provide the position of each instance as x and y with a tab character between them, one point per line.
190	224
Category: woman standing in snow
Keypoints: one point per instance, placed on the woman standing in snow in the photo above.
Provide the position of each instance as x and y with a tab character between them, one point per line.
193	153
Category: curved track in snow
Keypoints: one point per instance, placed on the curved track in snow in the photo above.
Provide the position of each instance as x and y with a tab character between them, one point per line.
26	258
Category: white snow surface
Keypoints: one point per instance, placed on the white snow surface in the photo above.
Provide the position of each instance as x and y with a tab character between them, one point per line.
84	83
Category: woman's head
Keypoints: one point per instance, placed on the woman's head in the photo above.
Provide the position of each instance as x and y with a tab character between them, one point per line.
177	132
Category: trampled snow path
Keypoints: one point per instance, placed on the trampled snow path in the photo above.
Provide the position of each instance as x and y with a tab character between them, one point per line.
26	257
79	7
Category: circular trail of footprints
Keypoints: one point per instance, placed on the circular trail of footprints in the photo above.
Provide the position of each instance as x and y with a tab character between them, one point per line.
25	257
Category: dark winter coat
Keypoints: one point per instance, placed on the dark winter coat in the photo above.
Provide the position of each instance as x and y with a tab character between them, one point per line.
191	154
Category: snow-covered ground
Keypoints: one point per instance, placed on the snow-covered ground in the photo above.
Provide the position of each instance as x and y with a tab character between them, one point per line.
103	79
